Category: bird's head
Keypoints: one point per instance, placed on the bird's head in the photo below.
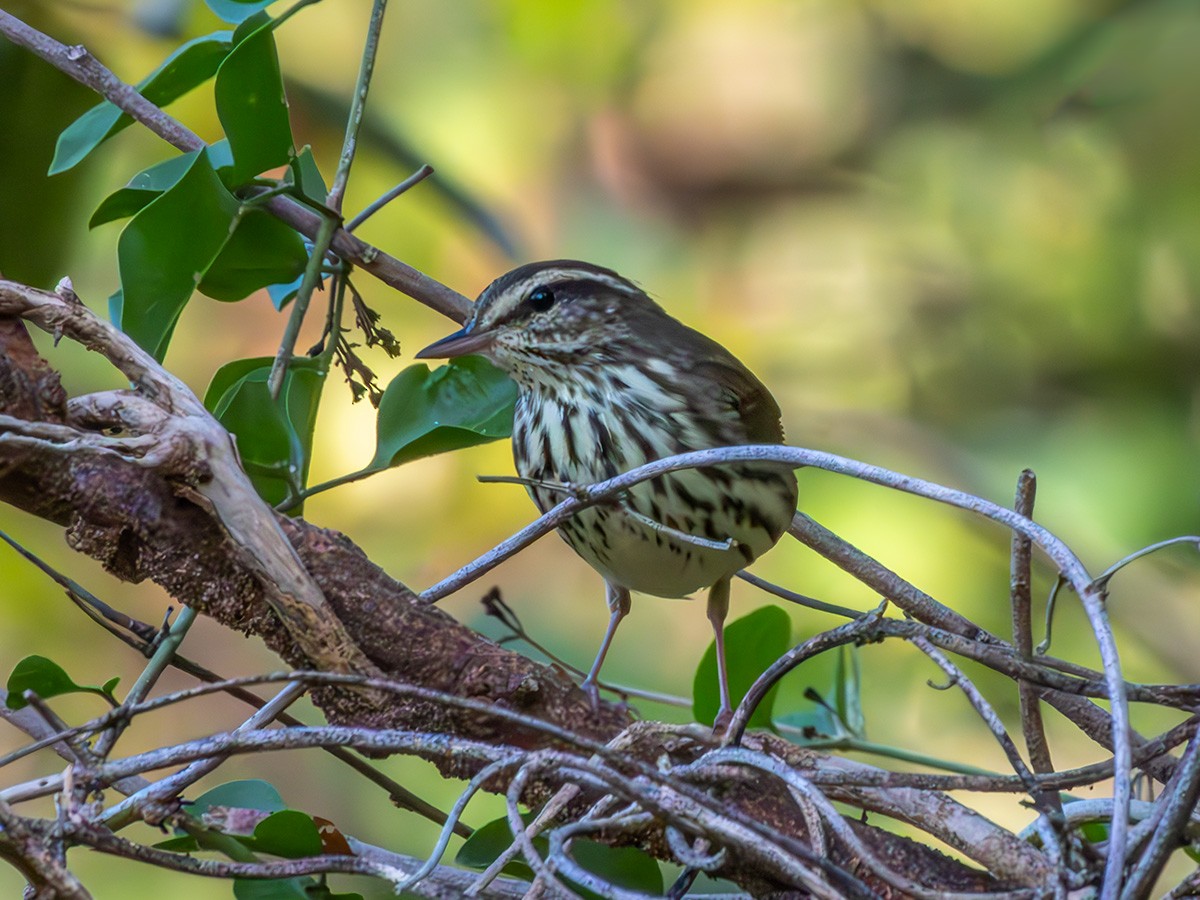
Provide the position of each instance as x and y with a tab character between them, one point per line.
546	315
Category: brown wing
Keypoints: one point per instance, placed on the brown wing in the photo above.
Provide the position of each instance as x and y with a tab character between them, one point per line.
747	396
737	389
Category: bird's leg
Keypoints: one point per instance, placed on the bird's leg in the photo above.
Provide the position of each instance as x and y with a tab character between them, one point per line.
718	608
618	607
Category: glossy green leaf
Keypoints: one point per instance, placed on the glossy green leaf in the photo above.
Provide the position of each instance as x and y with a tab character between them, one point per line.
183	844
121	204
116	307
274	437
149	183
286	889
752	643
462	404
142	188
1094	832
283	294
306	175
251	793
847	692
288	833
488	841
625	867
251	103
189	66
47	678
260	251
163	248
236	11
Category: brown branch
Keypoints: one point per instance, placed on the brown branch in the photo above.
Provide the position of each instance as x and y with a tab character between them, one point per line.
1021	598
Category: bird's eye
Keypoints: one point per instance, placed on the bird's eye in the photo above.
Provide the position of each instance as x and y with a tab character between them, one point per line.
541	300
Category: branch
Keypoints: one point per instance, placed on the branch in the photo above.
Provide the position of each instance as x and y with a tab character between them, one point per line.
193	447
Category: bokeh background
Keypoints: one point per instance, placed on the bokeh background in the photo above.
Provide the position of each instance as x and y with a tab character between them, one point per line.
956	239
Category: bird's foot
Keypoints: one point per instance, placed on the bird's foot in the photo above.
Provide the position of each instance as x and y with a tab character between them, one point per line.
589	687
721	722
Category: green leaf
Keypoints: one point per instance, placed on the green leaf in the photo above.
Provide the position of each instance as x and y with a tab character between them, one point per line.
306	176
252	793
283	294
274	438
47	678
190	65
236	11
275	889
488	841
288	833
196	229
625	867
149	183
251	103
303	888
846	699
165	246
260	251
462	404
183	844
752	643
116	307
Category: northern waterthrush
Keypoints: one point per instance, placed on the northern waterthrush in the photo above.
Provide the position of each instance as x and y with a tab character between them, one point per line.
608	381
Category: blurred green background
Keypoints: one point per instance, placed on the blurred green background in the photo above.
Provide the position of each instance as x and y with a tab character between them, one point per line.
956	239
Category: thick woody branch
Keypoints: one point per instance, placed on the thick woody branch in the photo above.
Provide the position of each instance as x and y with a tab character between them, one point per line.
174	434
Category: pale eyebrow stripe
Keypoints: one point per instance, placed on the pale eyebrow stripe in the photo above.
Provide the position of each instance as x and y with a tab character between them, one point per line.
547	276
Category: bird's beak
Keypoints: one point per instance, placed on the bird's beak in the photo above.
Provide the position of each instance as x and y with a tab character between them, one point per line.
461	343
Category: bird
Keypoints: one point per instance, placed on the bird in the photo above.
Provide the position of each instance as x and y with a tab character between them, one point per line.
606	381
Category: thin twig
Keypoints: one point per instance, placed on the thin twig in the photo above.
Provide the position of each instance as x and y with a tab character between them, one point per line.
333	201
308	284
84	598
985	710
1022	622
1104	577
144	638
171	636
799	599
403	187
1021	600
358	103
